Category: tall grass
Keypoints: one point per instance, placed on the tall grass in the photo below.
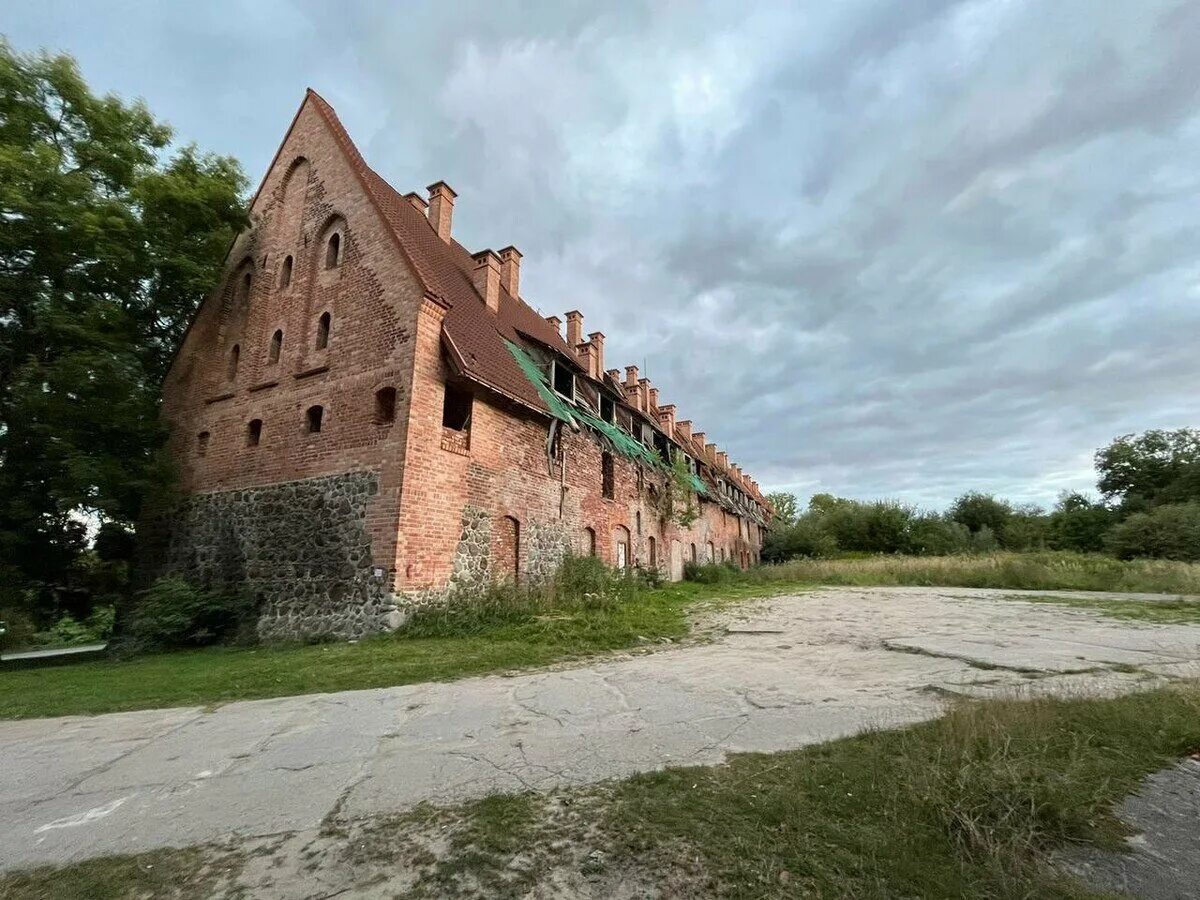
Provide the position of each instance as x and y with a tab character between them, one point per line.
1019	571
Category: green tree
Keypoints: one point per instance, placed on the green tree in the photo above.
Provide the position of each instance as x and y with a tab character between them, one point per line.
1078	524
107	245
1140	471
1170	531
786	508
977	510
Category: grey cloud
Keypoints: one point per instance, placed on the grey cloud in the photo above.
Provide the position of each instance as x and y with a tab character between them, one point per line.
874	248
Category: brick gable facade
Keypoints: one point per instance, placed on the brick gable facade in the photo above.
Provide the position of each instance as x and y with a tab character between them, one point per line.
364	413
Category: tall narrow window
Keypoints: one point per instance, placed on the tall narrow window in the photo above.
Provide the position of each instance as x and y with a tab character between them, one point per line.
323	330
385	405
333	251
245	290
606	476
276	346
253	432
456	409
234	353
589	541
693	551
202	443
653	553
639	521
285	275
313	418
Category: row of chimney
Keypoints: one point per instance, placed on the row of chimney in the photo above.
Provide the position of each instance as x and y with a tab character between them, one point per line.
493	271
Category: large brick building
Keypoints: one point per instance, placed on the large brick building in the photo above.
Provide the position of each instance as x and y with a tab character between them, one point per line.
365	412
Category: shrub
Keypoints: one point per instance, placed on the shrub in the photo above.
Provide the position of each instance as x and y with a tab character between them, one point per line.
806	538
930	535
1166	532
710	573
173	613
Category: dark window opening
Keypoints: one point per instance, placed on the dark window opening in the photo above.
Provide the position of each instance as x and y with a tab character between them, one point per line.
253	432
313	417
653	553
333	251
662	445
276	347
285	276
234	353
564	380
608	409
202	443
385	405
639	521
246	286
323	330
606	476
456	409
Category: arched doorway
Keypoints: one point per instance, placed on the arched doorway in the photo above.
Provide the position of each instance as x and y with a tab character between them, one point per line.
620	551
506	548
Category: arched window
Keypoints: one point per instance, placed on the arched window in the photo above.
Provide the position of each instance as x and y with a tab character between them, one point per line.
323	330
202	443
621	547
589	541
235	353
653	546
285	275
385	405
245	292
253	432
313	418
333	251
276	346
712	553
639	521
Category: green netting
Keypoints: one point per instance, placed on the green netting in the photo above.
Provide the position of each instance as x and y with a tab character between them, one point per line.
559	408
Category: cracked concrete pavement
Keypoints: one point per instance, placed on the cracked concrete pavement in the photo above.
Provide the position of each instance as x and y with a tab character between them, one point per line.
783	673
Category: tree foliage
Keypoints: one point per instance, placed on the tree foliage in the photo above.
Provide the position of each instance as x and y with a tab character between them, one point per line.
107	245
1140	471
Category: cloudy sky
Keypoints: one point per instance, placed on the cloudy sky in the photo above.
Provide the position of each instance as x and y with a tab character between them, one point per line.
900	248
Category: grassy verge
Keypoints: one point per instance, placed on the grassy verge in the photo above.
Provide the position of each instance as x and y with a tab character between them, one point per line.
972	805
186	873
976	804
1165	612
1017	571
471	647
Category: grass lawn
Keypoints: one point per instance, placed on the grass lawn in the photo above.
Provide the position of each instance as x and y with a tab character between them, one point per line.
220	675
975	804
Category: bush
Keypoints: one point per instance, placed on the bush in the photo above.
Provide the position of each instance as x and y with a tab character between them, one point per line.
930	535
806	538
173	613
70	632
710	573
1166	532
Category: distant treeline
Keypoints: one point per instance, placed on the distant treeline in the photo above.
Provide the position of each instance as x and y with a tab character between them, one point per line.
1148	506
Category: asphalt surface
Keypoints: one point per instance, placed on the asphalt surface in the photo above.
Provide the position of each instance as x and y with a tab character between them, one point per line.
782	673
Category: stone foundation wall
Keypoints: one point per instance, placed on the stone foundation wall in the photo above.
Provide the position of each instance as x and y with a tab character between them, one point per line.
300	548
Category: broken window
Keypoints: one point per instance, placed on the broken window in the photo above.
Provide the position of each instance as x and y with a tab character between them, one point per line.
608	408
385	405
313	418
606	476
456	409
662	445
253	432
564	380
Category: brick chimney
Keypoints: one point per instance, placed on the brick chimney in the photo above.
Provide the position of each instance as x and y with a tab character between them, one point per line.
596	338
510	270
574	329
723	460
487	277
441	208
666	415
417	201
683	428
643	392
555	323
653	391
710	451
631	376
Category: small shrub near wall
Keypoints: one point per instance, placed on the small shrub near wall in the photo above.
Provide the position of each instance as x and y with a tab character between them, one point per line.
173	613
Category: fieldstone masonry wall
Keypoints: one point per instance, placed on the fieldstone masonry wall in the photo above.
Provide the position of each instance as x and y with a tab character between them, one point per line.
300	548
472	557
546	544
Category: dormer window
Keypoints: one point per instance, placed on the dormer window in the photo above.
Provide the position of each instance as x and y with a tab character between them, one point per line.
564	380
608	408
